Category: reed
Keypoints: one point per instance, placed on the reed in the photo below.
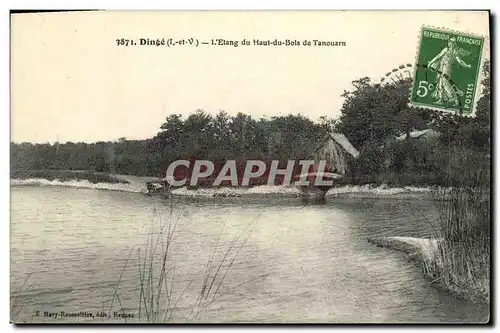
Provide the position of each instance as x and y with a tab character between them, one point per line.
462	258
18	302
458	258
159	292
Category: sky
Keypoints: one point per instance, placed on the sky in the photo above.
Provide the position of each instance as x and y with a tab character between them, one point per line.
70	81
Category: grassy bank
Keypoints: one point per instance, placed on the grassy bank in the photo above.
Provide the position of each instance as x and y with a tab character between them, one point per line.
463	257
419	164
458	258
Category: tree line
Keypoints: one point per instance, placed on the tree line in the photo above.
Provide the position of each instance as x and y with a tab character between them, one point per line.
200	135
371	116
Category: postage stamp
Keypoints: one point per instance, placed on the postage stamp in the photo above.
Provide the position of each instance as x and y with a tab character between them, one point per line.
447	71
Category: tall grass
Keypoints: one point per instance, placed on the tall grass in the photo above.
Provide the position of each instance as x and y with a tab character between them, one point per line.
462	258
458	259
419	163
17	302
159	292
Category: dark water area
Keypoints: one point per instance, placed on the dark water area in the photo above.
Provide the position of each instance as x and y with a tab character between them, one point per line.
295	260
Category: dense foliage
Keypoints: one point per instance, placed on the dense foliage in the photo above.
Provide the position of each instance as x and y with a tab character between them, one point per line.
371	117
201	135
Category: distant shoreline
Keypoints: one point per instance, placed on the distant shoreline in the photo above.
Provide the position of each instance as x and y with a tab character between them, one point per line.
138	185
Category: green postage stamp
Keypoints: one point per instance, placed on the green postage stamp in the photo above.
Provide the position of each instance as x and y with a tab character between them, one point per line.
447	71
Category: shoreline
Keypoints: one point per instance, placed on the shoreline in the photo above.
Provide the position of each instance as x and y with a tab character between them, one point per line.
138	185
426	253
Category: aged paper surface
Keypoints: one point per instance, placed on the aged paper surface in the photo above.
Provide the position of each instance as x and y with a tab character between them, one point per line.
250	166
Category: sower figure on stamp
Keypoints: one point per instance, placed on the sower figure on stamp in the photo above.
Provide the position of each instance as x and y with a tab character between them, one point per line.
443	64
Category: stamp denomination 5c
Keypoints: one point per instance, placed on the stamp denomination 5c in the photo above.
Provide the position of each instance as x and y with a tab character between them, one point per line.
447	71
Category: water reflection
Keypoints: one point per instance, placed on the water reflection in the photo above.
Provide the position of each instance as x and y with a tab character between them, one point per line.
313	200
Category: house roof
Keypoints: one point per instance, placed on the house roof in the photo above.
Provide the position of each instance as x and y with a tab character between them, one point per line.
418	134
344	143
340	140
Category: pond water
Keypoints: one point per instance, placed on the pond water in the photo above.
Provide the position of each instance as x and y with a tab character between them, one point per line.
280	260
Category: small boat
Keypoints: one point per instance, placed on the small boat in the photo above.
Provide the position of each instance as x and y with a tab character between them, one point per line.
157	187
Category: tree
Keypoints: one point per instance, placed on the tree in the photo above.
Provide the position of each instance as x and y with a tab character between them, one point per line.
222	134
328	124
371	113
465	131
171	131
198	134
481	130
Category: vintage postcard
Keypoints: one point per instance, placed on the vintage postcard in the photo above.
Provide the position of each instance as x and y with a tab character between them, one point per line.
250	167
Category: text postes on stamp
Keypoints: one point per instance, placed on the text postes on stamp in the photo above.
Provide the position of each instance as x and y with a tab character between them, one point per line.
447	71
